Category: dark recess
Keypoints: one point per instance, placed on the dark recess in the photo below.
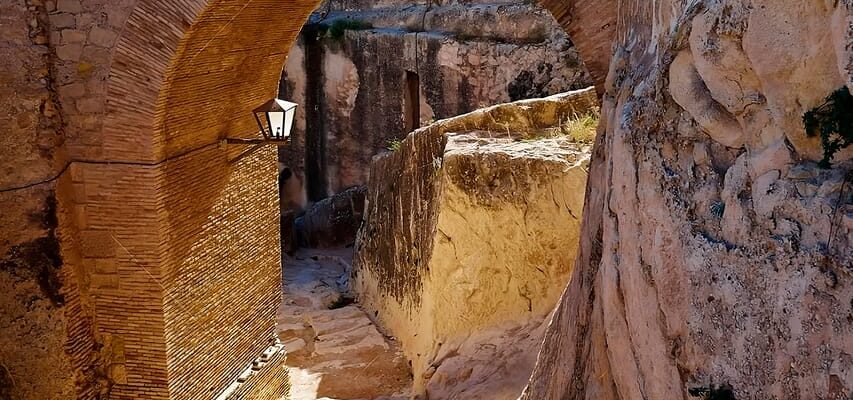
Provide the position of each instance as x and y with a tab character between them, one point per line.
412	101
315	141
39	259
721	392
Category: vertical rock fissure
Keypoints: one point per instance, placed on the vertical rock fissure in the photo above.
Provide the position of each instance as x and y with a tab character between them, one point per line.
315	137
412	101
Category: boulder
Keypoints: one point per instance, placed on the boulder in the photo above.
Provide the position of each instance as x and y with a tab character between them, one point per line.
469	238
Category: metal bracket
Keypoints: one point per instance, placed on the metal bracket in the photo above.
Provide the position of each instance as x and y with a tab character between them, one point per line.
257	141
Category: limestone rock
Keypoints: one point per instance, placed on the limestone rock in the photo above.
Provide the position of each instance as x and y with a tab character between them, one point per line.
333	349
469	238
332	221
446	59
712	251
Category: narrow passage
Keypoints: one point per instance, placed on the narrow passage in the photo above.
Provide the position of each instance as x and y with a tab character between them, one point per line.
334	349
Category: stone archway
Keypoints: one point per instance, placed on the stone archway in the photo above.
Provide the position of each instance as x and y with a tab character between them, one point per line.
201	286
158	224
169	241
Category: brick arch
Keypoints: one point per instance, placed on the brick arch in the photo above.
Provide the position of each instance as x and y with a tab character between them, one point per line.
177	235
183	233
228	64
591	24
150	39
170	50
187	72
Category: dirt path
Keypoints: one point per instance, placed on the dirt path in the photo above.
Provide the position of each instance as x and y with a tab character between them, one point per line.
334	350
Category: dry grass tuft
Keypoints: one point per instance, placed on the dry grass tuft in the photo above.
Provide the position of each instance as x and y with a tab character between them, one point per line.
583	128
579	129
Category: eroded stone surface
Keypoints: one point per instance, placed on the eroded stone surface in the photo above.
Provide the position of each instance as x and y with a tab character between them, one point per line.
333	349
333	221
353	89
713	249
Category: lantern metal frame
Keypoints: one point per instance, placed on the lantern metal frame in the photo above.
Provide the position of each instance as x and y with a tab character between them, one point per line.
267	136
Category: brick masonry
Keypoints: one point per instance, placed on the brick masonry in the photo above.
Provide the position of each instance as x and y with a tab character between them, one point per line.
139	257
170	242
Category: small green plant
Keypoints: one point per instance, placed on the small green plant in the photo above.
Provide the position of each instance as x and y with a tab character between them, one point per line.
580	128
394	144
833	122
336	30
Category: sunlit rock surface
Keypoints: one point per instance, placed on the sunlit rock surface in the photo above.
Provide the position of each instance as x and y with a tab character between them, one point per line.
714	251
333	349
469	238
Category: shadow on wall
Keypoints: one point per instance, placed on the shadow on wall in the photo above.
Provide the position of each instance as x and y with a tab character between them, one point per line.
223	262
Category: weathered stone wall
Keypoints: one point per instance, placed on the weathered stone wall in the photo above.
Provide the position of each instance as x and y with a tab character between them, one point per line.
468	242
44	320
352	89
714	250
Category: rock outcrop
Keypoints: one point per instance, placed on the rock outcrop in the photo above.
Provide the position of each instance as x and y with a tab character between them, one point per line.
714	253
469	239
333	221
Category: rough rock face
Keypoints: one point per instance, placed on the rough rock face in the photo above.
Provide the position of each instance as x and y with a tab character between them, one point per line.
360	88
332	221
714	250
333	349
468	242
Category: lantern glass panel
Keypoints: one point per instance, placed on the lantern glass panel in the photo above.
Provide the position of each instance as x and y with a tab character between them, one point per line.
275	119
288	120
279	128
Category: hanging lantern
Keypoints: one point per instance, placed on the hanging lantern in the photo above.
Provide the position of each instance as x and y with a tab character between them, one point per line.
275	119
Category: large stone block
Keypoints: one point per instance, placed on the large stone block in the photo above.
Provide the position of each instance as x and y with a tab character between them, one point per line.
470	235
